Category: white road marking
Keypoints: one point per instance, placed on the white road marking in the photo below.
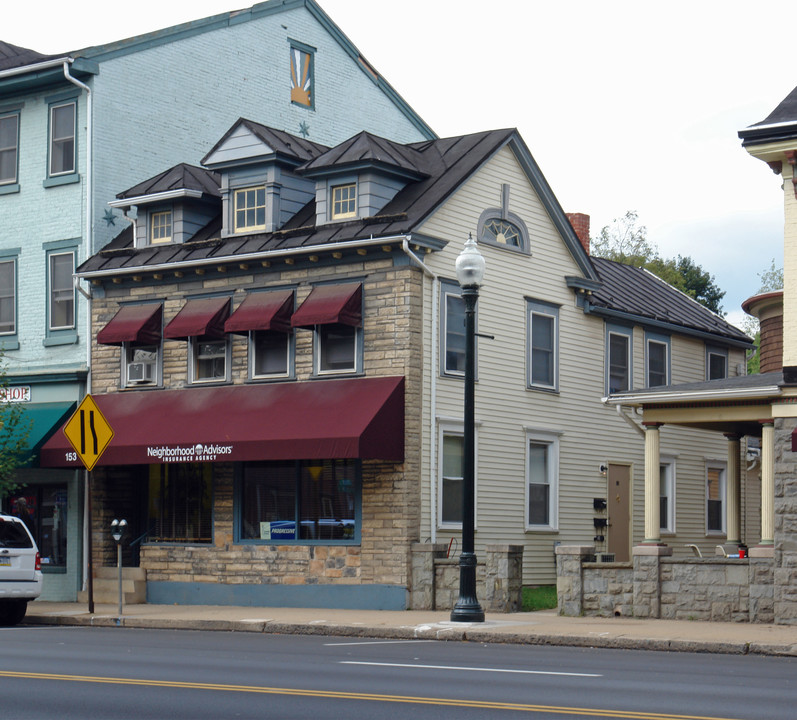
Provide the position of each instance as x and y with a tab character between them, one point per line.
475	669
377	642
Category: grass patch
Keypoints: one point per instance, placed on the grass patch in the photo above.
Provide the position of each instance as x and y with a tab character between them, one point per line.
539	598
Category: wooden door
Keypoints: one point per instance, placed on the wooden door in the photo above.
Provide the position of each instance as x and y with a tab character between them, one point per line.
618	503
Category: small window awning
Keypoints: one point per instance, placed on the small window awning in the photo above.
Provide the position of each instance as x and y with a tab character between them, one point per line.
329	304
316	420
133	323
262	311
201	317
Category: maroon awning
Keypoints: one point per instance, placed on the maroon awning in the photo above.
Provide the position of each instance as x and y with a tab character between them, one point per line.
199	317
262	311
133	323
328	304
314	420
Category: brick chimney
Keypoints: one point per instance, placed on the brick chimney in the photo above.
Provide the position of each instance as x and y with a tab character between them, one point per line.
580	223
768	308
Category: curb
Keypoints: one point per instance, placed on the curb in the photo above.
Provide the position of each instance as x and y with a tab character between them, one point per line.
421	632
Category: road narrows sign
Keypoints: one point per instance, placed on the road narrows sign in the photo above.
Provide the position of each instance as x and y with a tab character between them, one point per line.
88	432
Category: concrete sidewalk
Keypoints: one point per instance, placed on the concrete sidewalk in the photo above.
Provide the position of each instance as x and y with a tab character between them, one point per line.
537	628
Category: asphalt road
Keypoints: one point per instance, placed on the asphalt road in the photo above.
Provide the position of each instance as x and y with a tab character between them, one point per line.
76	672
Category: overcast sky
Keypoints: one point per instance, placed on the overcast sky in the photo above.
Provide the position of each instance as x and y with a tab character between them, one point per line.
624	105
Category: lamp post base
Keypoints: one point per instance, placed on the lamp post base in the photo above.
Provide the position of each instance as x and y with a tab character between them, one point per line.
467	610
467	607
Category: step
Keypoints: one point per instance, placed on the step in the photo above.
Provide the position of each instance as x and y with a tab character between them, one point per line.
106	586
112	573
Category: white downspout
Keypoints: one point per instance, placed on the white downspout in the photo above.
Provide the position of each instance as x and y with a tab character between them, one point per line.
89	239
432	388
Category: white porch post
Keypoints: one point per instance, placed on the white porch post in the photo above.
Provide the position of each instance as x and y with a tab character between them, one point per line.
652	485
733	516
767	485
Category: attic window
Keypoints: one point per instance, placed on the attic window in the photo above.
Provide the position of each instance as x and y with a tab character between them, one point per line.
250	209
160	227
344	201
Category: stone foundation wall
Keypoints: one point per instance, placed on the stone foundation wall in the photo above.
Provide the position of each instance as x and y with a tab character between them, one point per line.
655	585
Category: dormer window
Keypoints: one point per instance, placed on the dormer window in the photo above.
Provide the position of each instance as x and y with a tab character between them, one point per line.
344	201
250	209
161	227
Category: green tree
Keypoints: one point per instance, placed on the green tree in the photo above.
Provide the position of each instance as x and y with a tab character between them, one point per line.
626	241
14	431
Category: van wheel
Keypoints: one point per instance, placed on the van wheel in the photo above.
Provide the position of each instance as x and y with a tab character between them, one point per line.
12	612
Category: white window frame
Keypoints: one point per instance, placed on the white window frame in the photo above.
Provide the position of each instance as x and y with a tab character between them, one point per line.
158	215
667	476
537	309
453	291
241	192
66	138
319	333
713	351
128	358
353	200
193	350
661	341
455	429
628	335
52	290
11	148
551	442
289	355
723	490
10	294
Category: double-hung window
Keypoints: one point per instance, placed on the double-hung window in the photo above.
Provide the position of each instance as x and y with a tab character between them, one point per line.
542	480
344	201
618	359
452	330
8	297
62	138
543	333
336	349
210	361
61	291
249	212
270	353
657	360
667	496
715	498
160	227
716	363
9	148
451	477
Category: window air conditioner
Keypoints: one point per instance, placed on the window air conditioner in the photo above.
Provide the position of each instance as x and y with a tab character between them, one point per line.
140	372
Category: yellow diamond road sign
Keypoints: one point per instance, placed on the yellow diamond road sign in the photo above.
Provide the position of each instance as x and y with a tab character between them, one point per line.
88	432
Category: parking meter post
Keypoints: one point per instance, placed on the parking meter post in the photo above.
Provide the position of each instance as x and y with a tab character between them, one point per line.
118	530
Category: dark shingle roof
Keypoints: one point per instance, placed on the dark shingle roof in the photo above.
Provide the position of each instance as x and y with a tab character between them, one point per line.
367	149
727	385
638	292
179	177
14	56
780	124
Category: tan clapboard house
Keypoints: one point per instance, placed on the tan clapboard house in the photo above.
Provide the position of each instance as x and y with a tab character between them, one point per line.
278	344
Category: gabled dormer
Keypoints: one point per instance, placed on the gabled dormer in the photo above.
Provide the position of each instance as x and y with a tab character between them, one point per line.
357	178
171	207
259	189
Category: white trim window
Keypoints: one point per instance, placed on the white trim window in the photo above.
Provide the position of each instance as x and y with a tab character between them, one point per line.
140	364
9	147
618	360
249	212
343	199
61	291
542	481
667	496
337	349
62	138
716	363
270	354
543	351
160	227
453	330
450	476
657	360
8	297
715	498
210	360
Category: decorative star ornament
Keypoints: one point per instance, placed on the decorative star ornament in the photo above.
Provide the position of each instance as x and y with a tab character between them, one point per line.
304	129
109	218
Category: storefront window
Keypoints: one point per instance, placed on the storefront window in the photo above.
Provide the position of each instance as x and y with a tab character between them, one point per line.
43	508
303	501
180	503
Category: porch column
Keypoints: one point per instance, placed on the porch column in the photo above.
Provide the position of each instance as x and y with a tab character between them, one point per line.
652	485
733	516
767	486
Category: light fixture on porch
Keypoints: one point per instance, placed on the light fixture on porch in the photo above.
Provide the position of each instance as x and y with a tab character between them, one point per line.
470	273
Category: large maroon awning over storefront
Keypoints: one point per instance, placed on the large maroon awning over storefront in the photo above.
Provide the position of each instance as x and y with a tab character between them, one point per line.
326	419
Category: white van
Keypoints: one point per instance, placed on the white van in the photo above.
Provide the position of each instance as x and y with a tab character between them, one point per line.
20	569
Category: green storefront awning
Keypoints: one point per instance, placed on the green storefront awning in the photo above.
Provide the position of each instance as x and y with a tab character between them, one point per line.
44	419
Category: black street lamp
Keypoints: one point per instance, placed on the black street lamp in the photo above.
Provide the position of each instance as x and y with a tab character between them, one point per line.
470	273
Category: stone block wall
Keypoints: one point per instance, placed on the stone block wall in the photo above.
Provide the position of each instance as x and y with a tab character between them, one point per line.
785	580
